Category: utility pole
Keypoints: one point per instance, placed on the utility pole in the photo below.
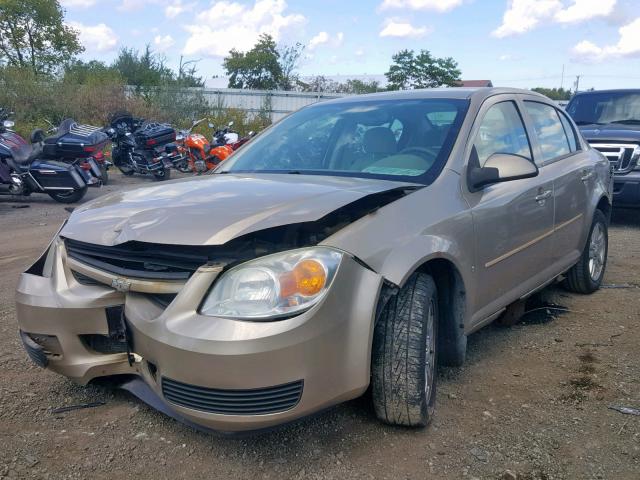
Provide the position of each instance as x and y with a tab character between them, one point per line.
578	83
562	78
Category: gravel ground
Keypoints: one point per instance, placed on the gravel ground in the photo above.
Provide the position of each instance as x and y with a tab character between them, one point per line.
531	403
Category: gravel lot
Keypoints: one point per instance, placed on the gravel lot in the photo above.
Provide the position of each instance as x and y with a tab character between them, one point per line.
532	402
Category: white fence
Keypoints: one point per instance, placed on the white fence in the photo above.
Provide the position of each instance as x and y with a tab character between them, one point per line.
275	103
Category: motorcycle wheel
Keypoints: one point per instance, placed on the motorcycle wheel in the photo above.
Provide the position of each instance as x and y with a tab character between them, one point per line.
104	173
127	172
163	174
183	167
68	197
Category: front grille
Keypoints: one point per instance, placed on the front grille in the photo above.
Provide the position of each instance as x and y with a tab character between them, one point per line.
620	155
104	343
259	401
138	260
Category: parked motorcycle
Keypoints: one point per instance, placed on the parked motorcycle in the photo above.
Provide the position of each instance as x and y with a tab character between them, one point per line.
25	170
243	140
77	144
203	155
139	146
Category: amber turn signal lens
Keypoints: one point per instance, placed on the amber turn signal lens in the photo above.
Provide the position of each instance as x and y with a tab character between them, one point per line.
307	278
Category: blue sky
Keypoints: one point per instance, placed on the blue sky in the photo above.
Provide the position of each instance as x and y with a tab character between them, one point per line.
520	43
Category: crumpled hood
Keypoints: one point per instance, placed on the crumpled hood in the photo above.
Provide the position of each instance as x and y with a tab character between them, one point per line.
213	209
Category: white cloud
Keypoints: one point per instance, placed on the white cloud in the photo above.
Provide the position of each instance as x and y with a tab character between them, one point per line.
628	46
163	44
437	5
77	3
359	52
320	39
323	38
403	30
177	8
582	10
525	15
96	38
226	25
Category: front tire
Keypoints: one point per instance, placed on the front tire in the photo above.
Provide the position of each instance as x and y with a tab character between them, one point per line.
68	197
404	355
586	275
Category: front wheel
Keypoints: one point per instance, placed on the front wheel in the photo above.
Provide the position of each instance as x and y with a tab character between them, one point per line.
68	197
586	275
404	355
162	174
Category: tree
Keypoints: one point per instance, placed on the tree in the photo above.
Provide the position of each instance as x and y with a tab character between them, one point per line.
142	69
554	93
360	86
289	60
409	71
92	72
257	69
33	35
187	74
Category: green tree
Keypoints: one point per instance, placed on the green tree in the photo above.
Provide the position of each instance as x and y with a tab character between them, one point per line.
258	69
554	93
360	86
33	35
423	70
144	69
93	72
289	61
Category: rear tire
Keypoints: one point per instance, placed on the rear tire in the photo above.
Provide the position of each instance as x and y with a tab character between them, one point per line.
68	197
586	275
405	355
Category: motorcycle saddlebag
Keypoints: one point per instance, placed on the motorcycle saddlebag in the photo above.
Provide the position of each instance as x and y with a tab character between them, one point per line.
75	141
50	174
154	135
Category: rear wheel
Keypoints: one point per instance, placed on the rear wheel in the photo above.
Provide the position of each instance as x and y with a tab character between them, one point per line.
68	197
586	275
404	355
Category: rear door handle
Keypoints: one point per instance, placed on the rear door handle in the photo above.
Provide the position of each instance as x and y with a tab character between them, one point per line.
586	175
540	198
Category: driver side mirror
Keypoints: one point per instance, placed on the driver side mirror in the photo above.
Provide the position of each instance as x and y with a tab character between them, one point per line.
501	167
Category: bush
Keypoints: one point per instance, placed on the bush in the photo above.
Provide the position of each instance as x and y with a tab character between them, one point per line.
37	101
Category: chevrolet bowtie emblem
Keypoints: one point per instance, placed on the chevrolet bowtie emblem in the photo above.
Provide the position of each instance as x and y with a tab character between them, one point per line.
121	284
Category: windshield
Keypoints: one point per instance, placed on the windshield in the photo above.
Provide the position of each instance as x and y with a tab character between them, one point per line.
606	107
404	140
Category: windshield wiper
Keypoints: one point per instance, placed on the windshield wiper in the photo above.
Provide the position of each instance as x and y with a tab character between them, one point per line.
628	121
583	122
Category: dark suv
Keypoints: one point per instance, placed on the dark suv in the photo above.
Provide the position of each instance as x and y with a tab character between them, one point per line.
610	121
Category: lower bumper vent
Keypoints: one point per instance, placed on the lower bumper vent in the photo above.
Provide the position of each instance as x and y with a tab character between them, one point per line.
259	401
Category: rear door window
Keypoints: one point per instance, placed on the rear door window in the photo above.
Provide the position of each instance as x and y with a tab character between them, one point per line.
551	134
569	130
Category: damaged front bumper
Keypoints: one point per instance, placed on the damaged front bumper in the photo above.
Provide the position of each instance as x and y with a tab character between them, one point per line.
218	373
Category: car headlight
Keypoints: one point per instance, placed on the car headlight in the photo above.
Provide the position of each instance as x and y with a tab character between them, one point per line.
274	286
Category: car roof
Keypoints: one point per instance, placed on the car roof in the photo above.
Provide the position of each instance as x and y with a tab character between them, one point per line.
612	90
464	93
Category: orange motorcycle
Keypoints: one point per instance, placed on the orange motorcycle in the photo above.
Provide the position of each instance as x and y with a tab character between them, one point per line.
201	154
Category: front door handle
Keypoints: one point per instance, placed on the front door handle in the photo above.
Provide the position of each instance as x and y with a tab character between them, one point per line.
586	175
541	197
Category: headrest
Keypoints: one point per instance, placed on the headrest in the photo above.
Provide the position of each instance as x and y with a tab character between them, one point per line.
380	140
